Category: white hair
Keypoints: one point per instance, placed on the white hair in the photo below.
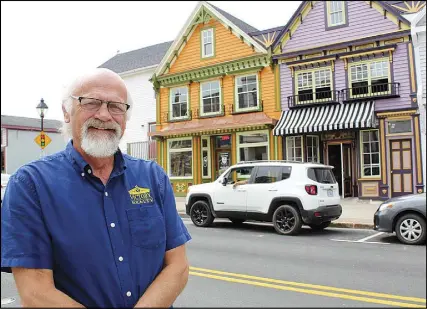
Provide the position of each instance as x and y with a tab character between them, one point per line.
67	102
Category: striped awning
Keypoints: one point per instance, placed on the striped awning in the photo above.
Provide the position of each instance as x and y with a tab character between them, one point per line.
326	118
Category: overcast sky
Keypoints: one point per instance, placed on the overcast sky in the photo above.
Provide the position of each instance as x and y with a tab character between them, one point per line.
44	45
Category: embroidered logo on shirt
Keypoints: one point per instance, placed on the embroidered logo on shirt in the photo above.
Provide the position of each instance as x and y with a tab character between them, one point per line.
140	195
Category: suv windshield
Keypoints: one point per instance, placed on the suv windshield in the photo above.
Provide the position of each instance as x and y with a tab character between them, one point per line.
321	174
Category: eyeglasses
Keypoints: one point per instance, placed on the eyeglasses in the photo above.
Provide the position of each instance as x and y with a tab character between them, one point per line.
93	105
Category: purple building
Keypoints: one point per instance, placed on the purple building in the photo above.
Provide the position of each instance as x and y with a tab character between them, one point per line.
348	95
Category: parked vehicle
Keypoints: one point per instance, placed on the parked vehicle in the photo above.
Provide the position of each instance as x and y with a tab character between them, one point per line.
289	194
405	216
4	181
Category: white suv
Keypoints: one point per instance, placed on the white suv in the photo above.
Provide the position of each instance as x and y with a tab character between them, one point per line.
289	194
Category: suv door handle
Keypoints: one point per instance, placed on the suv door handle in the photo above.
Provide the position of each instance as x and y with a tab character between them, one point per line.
272	190
241	190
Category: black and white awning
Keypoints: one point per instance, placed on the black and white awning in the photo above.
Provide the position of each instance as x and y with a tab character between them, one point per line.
326	118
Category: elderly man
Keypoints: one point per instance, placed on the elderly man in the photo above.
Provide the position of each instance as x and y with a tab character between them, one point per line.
90	226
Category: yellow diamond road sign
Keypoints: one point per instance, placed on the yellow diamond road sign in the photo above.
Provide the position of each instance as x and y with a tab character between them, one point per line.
42	140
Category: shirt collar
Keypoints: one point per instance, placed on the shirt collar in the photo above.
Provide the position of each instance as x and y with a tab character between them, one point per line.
83	166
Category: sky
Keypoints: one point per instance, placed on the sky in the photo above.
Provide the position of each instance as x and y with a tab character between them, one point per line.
45	45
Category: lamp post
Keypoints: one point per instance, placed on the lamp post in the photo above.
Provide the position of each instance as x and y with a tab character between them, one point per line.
42	109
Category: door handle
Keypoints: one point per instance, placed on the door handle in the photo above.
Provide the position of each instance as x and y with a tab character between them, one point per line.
240	190
273	190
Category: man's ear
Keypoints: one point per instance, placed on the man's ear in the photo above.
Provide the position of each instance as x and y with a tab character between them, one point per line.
66	114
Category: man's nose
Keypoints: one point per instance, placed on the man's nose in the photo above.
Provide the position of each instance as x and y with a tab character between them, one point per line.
103	113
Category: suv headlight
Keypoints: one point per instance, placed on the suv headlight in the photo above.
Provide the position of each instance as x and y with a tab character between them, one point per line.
385	206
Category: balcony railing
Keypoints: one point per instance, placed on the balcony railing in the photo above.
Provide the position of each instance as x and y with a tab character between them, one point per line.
142	150
313	98
386	90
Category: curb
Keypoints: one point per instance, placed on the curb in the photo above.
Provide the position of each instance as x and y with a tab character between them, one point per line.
348	225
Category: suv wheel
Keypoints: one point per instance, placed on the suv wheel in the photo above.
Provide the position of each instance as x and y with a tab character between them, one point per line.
319	227
200	214
411	229
237	221
287	220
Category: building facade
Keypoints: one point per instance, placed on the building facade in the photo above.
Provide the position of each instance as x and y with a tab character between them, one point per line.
216	100
17	141
349	95
418	32
136	68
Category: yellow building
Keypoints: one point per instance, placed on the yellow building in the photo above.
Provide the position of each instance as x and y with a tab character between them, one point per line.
216	97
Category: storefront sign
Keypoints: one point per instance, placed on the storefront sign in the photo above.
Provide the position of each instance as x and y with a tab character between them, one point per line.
338	135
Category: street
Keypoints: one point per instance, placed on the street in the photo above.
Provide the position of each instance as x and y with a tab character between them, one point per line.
251	266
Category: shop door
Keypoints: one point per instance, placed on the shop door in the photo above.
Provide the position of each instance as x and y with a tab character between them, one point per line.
347	170
401	167
340	156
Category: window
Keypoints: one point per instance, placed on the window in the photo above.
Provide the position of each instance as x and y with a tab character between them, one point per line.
207	43
252	146
370	78
180	158
247	92
179	103
294	148
370	148
270	174
399	126
239	173
211	100
206	157
313	149
318	91
336	13
321	175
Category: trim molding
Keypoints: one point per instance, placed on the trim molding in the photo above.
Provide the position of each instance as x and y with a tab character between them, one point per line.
394	114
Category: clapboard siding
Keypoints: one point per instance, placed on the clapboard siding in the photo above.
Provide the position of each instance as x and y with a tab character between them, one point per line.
400	75
227	47
363	21
285	85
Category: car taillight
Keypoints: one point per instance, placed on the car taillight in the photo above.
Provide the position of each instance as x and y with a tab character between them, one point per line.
311	189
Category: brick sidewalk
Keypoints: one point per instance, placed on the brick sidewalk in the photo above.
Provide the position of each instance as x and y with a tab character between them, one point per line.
356	213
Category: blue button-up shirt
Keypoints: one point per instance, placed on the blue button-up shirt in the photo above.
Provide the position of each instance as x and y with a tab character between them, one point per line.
105	244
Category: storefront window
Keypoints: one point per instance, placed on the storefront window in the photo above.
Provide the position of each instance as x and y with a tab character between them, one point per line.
294	148
206	158
252	146
312	149
180	158
370	148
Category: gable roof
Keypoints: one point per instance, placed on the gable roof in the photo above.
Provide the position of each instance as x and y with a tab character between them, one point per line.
238	22
137	59
405	7
179	41
384	4
16	121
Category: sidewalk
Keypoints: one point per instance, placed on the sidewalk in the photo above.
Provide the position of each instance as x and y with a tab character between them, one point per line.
355	213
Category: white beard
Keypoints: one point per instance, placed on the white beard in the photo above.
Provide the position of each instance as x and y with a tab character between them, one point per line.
100	144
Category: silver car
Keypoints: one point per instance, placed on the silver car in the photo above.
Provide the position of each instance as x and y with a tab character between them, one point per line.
405	216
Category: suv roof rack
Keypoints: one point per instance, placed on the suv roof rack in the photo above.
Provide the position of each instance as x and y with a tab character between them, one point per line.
267	161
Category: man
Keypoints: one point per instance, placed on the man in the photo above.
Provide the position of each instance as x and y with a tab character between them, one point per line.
90	226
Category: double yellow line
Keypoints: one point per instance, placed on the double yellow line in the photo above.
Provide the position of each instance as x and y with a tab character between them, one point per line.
313	289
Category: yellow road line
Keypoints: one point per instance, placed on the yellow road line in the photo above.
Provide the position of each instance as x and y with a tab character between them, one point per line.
313	286
306	291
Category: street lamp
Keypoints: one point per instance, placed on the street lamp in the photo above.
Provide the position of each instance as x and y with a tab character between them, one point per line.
42	109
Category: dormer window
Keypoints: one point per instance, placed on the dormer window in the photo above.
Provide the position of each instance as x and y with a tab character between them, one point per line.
207	36
336	14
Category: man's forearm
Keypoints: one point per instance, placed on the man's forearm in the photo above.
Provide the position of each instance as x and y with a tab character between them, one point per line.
165	288
49	298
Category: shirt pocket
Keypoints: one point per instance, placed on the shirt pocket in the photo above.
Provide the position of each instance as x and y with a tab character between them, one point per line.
146	226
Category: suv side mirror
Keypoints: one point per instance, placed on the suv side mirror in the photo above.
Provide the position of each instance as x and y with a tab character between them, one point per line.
224	181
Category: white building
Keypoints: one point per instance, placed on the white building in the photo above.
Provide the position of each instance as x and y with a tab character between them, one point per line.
418	31
136	68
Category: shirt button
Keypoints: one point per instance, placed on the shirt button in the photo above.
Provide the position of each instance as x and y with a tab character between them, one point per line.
128	293
120	258
89	171
83	174
106	193
112	225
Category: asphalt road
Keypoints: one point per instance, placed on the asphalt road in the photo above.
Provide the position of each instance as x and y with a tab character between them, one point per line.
252	266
